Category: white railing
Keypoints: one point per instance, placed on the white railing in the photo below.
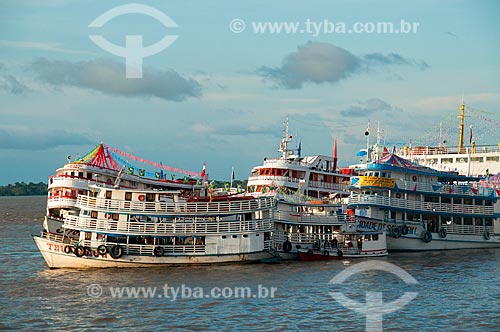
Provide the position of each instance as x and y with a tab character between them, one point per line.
330	186
467	229
287	216
445	188
171	228
384	201
171	208
272	178
57	238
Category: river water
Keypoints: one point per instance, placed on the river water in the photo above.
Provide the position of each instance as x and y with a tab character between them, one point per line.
455	291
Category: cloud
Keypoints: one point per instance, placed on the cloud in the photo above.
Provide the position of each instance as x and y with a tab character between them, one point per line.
108	77
393	59
233	129
10	84
326	63
53	47
24	138
367	107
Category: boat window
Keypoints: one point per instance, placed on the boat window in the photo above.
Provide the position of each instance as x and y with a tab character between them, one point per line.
80	174
128	196
223	236
88	236
375	237
108	194
476	159
115	216
150	197
368	238
446	200
467	221
488	222
89	176
462	160
446	160
488	202
245	235
493	158
93	214
234	236
468	201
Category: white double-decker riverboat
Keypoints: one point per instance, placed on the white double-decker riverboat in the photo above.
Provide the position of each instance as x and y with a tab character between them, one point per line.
138	228
104	166
425	209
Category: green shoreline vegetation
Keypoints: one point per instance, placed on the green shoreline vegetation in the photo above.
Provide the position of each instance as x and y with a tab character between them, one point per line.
24	189
40	188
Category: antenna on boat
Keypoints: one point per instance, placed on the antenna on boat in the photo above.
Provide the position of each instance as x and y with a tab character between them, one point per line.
367	134
462	117
284	141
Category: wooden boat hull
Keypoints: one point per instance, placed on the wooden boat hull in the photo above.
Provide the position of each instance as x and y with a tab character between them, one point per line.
55	257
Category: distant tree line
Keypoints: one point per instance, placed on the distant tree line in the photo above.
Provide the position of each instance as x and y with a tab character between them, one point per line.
24	189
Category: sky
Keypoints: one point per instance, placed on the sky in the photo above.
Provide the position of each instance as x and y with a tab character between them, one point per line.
221	90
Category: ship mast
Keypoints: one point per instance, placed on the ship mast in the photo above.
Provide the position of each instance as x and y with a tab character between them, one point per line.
461	138
284	142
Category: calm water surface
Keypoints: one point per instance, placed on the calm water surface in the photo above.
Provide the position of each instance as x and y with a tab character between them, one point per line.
457	291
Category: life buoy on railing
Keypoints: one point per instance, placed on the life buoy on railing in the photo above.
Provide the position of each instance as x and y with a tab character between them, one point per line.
487	235
396	232
141	198
102	250
442	233
414	178
116	251
404	230
426	236
68	249
287	246
321	209
79	251
158	251
398	195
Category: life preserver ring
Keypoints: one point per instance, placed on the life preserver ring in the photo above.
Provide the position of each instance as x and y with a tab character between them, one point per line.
442	233
321	209
340	253
414	178
88	251
158	251
310	252
487	235
68	249
79	251
326	253
404	230
396	232
426	236
116	251
287	246
102	250
398	195
141	198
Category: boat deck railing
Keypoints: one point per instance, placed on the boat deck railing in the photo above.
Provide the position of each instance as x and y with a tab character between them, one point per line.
57	238
467	229
301	218
289	179
173	208
445	188
164	228
400	203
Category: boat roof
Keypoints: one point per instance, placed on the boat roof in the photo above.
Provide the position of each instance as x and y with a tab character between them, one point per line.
393	162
